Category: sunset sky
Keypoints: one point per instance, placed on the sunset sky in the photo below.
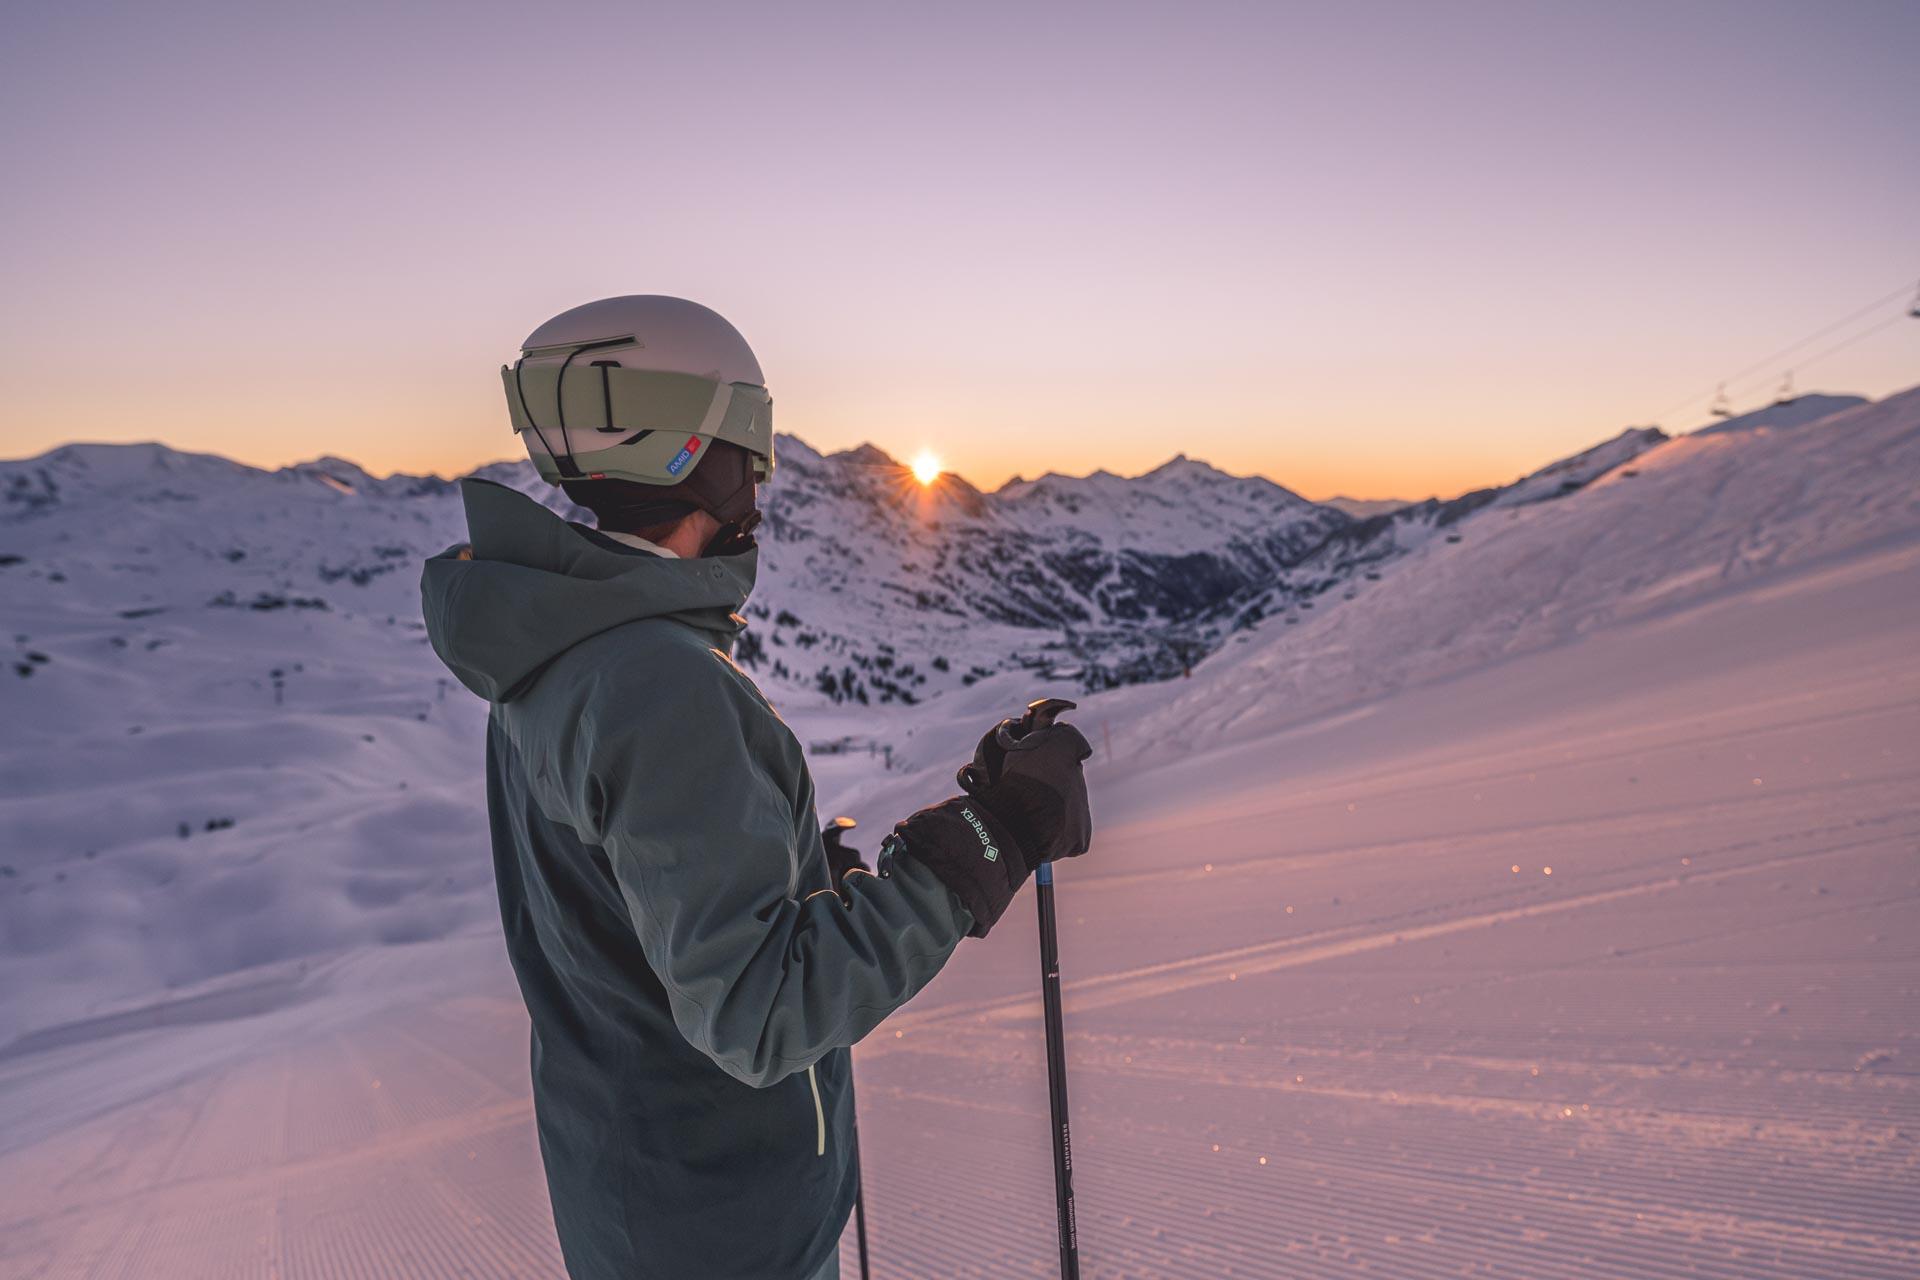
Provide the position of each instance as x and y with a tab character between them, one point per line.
1375	249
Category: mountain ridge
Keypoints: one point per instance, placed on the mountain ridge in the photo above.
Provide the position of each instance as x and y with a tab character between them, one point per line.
865	453
874	588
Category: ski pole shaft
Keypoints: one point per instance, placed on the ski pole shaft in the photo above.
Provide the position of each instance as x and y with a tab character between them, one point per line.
860	1221
830	838
1057	1072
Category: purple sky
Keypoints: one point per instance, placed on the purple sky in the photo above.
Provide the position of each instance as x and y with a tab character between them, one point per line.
1372	248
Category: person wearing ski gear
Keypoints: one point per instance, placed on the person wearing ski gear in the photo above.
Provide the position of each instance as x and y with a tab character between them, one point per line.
694	970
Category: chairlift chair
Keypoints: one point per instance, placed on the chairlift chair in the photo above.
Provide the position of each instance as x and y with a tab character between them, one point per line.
1786	393
1722	407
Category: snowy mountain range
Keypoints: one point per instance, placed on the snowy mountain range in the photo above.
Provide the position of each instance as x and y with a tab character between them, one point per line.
221	704
1103	578
873	588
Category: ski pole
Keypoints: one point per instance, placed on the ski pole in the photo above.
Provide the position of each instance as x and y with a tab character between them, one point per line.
831	838
1057	1073
1039	715
860	1211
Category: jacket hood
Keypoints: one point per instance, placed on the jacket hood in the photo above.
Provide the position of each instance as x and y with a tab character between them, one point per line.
531	585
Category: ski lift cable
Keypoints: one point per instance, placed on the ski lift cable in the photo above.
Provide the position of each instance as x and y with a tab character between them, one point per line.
1749	385
1770	361
1817	334
1786	394
1842	345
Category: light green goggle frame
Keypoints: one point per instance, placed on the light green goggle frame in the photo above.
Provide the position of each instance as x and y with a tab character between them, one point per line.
576	400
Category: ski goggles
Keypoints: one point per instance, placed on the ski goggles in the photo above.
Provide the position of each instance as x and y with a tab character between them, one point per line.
607	399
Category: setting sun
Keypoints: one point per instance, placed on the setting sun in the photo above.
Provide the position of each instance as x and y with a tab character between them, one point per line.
926	467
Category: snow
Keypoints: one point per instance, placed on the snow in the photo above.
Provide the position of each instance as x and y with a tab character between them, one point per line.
868	572
1179	507
1328	1012
1582	468
1784	414
1687	519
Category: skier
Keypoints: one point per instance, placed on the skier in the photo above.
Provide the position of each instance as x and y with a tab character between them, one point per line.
694	971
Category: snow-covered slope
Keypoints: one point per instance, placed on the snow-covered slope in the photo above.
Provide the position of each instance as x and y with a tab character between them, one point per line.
1558	479
1670	523
1780	416
1356	552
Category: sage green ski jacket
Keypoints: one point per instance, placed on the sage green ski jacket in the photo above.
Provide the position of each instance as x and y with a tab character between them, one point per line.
694	977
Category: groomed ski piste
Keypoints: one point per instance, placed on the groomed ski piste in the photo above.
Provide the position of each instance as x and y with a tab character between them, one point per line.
1547	909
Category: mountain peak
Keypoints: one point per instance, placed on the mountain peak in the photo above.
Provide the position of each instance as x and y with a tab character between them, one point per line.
865	455
333	469
1180	467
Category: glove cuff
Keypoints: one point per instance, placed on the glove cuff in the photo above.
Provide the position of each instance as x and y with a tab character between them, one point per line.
971	851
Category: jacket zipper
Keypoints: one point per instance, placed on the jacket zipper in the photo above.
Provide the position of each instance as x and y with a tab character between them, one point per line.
819	1115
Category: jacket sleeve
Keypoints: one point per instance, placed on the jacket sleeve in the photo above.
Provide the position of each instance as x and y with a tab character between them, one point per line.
703	840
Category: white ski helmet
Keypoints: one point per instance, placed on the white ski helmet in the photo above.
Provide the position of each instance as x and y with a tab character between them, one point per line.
638	389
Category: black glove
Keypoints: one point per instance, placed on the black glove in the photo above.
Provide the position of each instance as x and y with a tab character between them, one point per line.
1026	803
841	859
1033	782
